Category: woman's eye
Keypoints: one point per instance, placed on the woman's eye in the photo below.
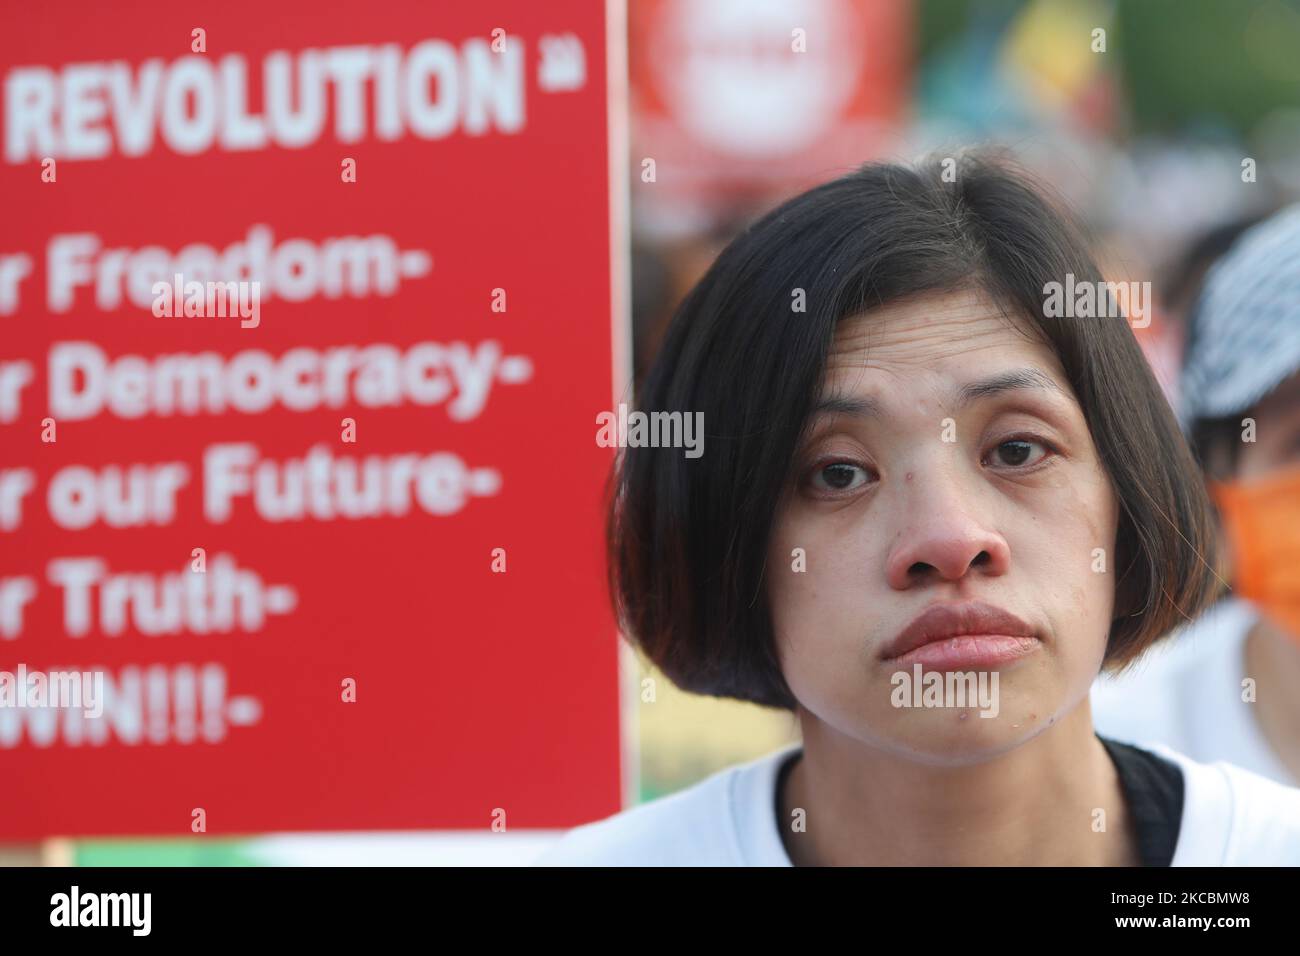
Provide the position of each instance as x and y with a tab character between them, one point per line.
1018	452
839	476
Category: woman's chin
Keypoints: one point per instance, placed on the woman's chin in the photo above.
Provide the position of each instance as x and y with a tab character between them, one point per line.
960	736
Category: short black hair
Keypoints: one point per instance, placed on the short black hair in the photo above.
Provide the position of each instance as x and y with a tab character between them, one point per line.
688	538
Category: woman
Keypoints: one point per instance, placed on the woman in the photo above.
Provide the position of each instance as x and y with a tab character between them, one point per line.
919	477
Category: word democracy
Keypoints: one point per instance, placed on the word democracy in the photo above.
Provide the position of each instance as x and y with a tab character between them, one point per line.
85	382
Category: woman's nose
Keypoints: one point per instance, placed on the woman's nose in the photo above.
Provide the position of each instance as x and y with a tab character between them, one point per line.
947	536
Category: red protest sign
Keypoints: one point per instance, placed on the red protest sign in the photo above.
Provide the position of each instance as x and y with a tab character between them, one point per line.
306	322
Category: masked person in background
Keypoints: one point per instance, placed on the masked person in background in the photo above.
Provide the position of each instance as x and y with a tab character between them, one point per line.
1228	688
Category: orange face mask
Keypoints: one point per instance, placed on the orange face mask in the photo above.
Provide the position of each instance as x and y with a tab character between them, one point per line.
1262	521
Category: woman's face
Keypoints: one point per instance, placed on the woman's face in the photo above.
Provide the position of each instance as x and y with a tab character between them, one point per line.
949	467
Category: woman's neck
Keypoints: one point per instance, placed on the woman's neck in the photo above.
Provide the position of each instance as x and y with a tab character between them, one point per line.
1056	800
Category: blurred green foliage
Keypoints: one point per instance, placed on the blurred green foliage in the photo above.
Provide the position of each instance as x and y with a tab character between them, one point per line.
1185	65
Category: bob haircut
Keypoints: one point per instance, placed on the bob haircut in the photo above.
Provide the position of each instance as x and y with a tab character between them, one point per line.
688	538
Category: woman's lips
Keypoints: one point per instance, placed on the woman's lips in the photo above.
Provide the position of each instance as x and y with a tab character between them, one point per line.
969	652
969	635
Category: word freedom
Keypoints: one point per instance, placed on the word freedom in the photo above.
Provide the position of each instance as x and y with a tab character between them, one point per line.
209	299
295	269
946	689
654	430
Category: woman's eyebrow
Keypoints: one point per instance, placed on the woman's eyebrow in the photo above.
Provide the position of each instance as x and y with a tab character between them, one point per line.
1018	378
1011	380
861	406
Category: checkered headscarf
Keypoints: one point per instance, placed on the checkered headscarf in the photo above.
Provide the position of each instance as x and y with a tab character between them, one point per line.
1244	331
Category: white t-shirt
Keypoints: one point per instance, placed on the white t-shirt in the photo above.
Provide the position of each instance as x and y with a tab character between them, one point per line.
1231	817
1186	693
